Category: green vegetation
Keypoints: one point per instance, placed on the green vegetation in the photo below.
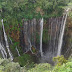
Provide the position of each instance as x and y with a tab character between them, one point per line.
25	60
7	66
45	36
43	67
64	68
70	14
59	60
13	12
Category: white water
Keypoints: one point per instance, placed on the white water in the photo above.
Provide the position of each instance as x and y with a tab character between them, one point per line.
4	54
7	46
41	34
61	36
30	45
17	51
16	47
11	41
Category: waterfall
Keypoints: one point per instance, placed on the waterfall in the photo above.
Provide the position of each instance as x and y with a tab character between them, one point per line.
7	46
10	41
29	44
33	33
4	54
41	34
61	35
17	51
16	47
29	34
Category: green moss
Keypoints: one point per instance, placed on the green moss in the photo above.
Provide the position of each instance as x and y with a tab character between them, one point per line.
25	60
45	36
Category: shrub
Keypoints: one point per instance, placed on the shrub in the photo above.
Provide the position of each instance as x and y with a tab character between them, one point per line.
25	60
64	68
7	66
59	60
43	67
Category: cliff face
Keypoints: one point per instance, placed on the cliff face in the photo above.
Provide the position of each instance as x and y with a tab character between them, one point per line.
27	36
67	43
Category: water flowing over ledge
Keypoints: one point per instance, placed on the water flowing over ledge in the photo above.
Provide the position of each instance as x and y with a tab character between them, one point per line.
31	37
7	45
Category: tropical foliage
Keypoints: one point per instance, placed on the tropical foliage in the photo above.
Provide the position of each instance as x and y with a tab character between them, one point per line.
7	66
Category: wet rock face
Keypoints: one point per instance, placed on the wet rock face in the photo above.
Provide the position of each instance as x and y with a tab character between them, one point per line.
53	26
30	34
67	42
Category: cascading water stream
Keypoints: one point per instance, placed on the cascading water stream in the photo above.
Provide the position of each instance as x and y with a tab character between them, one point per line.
41	34
16	47
61	35
4	54
29	44
7	46
17	51
4	51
